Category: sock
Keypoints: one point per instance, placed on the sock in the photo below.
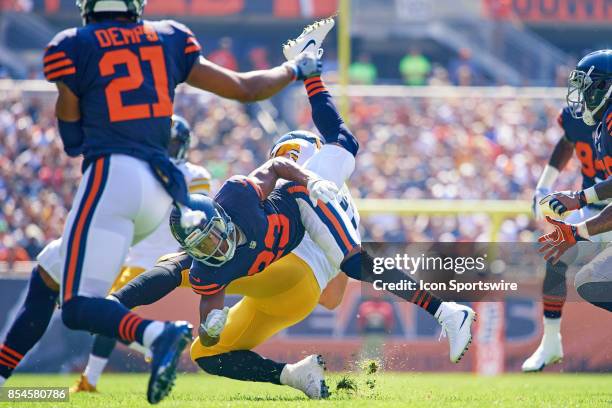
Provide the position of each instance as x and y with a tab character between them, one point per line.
552	326
244	365
554	290
151	333
140	348
104	316
29	325
326	117
94	369
152	285
360	266
103	346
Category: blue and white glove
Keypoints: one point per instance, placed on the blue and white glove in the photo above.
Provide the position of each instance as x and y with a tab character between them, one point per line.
215	322
306	65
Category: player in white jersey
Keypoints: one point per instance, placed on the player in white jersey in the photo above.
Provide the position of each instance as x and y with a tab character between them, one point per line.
144	254
283	294
300	146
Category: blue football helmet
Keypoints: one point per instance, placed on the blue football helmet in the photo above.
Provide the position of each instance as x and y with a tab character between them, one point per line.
180	139
590	86
213	240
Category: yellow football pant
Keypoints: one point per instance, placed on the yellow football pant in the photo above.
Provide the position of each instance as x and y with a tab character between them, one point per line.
278	297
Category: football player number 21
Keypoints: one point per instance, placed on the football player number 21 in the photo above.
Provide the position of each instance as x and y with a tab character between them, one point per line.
154	55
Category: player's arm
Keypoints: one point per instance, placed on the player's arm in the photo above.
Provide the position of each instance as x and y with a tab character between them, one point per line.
241	86
68	115
60	68
213	316
332	295
266	176
598	224
253	85
561	155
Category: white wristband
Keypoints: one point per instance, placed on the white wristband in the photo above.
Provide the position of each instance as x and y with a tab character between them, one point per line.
548	177
591	195
582	230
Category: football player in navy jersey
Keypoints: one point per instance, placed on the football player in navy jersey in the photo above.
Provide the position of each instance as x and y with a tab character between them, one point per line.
243	245
577	138
589	95
116	78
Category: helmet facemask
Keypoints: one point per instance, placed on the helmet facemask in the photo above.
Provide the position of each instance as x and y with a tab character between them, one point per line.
587	94
213	244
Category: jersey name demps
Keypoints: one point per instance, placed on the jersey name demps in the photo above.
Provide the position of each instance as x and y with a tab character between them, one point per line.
272	228
124	74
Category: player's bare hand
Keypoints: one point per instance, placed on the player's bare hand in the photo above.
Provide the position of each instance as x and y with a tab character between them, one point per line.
320	189
563	201
536	207
556	243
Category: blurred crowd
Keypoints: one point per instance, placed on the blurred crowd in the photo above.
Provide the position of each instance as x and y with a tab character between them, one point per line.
411	148
414	67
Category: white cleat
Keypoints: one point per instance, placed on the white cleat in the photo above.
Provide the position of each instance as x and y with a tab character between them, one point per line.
307	376
456	321
310	40
550	350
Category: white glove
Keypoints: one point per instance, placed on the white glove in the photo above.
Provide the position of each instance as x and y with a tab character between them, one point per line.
536	208
215	322
320	189
306	65
190	218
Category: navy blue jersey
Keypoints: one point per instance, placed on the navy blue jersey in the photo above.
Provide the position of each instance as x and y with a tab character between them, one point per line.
581	136
603	141
124	74
272	227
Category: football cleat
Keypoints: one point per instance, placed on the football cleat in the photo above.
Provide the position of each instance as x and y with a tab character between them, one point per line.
308	376
82	385
456	321
310	40
167	349
550	350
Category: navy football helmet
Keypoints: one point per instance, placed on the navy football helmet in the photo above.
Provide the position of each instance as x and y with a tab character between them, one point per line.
180	139
590	86
213	241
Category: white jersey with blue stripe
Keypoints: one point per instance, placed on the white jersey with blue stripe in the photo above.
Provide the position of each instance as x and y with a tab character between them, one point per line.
314	256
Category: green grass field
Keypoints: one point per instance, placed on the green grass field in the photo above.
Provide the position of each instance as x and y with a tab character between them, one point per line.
389	390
